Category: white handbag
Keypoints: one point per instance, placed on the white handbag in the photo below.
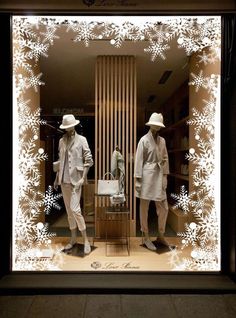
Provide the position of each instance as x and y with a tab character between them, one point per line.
108	187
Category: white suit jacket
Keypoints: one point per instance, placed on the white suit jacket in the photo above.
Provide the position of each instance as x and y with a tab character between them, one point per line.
79	156
151	163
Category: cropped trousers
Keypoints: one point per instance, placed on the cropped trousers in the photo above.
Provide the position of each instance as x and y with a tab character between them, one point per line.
162	213
71	199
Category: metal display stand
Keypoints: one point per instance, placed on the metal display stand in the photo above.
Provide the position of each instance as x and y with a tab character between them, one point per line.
121	216
116	217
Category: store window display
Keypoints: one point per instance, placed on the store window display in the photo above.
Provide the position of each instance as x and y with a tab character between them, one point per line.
71	169
150	171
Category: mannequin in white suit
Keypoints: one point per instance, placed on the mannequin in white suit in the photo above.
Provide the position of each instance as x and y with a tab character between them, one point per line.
75	159
150	170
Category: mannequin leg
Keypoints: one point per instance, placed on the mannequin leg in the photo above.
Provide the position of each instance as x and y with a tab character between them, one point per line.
76	209
87	247
162	212
72	239
75	217
144	205
66	192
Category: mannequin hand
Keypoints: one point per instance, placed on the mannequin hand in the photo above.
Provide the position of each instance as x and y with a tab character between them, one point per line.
79	184
138	185
164	181
55	185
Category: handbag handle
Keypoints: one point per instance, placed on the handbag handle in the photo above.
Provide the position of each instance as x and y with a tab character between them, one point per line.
110	174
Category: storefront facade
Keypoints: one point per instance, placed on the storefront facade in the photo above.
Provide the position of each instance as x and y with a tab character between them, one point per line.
147	279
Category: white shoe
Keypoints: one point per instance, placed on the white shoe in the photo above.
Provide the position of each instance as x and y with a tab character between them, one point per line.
87	248
148	243
69	246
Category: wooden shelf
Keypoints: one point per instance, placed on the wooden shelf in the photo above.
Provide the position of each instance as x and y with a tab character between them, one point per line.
175	125
179	176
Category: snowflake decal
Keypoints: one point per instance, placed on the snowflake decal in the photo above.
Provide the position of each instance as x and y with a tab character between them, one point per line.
43	235
32	39
190	236
37	49
198	81
156	49
49	35
85	32
183	200
50	200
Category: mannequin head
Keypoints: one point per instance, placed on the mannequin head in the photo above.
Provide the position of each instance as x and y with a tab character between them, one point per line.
70	131
154	128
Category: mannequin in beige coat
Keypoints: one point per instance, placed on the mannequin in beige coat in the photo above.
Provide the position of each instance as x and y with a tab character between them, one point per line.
150	170
75	159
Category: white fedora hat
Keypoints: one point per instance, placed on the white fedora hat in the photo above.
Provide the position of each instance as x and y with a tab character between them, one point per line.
155	120
69	121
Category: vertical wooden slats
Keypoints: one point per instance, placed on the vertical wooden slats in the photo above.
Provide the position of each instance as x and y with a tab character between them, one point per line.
98	164
115	90
112	103
123	104
96	128
119	101
135	136
127	104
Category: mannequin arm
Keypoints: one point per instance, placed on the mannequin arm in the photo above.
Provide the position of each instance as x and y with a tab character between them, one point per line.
81	181
55	184
164	181
138	184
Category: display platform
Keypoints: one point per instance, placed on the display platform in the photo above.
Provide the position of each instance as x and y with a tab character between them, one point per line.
139	259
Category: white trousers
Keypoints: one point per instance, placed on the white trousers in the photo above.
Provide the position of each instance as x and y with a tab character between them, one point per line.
75	218
162	213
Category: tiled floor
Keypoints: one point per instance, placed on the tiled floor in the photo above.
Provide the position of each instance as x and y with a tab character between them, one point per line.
122	306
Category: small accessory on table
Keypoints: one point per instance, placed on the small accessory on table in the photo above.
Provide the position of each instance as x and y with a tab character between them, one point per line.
117	199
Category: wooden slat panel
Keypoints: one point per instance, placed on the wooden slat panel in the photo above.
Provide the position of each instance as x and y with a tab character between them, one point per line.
119	101
134	138
131	134
123	106
96	130
116	91
115	124
112	104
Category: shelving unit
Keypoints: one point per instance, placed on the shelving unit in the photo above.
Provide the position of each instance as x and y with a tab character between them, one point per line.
176	114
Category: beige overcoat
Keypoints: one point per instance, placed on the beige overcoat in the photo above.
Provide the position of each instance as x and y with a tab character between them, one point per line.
151	163
79	156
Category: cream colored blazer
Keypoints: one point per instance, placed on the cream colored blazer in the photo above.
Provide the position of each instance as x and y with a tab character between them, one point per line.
79	156
151	163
